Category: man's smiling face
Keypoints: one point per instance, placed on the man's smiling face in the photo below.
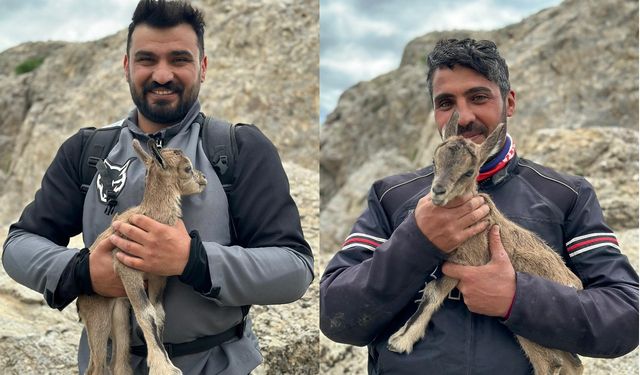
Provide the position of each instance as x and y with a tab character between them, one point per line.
477	100
164	71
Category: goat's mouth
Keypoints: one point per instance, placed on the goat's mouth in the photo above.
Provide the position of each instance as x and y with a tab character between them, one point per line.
438	200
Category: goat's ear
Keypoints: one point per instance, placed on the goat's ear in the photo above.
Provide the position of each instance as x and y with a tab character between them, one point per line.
146	159
494	142
451	128
156	153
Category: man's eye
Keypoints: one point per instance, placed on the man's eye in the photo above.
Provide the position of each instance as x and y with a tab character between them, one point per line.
444	104
480	98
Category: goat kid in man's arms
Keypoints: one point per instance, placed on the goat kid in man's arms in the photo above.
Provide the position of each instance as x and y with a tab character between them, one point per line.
456	165
170	175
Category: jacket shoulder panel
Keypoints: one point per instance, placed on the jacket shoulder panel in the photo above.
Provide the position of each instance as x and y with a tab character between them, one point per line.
561	189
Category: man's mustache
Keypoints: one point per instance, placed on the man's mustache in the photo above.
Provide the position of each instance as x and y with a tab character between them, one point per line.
473	128
172	86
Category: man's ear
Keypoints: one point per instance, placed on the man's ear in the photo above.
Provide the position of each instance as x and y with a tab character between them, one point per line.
125	64
203	68
510	102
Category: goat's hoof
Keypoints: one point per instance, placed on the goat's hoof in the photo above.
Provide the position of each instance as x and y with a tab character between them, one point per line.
400	343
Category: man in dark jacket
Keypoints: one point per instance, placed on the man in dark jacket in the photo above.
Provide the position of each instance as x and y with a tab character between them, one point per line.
213	272
402	240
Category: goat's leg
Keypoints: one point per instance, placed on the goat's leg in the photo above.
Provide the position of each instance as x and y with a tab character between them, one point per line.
155	286
157	358
120	339
95	313
545	361
415	328
571	364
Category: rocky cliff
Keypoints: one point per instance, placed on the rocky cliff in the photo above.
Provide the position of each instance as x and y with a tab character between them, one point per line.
574	68
263	69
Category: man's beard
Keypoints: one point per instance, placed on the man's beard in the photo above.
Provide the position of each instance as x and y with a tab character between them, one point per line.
162	112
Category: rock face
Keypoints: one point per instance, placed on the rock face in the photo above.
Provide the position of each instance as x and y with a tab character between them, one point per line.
574	69
263	64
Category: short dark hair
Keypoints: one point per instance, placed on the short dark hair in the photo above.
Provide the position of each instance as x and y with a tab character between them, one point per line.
164	14
481	56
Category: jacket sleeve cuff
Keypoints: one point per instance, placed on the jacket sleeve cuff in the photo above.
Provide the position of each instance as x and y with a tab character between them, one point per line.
196	272
75	280
83	273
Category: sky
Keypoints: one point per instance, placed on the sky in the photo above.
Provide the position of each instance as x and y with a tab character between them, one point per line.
362	39
359	39
68	20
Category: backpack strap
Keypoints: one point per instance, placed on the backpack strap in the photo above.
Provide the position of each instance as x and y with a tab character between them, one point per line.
96	148
219	143
220	147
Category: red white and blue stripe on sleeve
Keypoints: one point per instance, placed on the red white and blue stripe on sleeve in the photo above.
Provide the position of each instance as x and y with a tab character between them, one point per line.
589	242
364	240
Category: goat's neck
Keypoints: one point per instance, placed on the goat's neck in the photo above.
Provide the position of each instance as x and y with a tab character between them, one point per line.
161	201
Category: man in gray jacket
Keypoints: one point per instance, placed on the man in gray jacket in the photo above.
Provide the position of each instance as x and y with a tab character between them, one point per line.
228	252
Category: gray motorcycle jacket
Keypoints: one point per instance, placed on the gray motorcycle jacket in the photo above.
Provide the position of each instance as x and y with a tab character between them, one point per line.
369	288
268	263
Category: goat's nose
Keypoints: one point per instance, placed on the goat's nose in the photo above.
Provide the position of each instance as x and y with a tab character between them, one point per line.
438	189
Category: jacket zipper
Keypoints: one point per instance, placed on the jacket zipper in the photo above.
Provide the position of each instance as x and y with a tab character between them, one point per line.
470	343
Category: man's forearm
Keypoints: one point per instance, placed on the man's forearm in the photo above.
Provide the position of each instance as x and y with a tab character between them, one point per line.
266	275
360	297
36	263
595	322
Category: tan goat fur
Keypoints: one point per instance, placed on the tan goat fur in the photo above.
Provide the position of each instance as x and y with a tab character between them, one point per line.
457	162
170	175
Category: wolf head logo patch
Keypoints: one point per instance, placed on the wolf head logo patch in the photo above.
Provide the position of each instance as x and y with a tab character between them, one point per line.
111	180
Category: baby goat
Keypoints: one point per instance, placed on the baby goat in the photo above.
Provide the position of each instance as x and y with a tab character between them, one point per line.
456	165
169	176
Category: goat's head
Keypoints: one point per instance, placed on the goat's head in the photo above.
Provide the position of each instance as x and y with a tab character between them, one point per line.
457	161
172	167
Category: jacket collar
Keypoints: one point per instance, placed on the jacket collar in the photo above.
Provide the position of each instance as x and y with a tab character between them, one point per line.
167	133
502	175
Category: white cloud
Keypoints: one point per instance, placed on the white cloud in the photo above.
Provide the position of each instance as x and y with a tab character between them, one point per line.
476	15
68	20
358	64
348	20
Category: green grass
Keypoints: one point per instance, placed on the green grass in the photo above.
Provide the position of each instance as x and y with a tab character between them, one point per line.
29	65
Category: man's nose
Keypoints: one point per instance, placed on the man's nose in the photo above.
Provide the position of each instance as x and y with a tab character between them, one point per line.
162	73
466	115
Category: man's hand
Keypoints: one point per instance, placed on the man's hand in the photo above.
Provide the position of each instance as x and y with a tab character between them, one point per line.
104	279
449	226
489	289
151	246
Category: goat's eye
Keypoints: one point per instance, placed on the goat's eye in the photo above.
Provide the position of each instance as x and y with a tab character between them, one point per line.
469	173
188	169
